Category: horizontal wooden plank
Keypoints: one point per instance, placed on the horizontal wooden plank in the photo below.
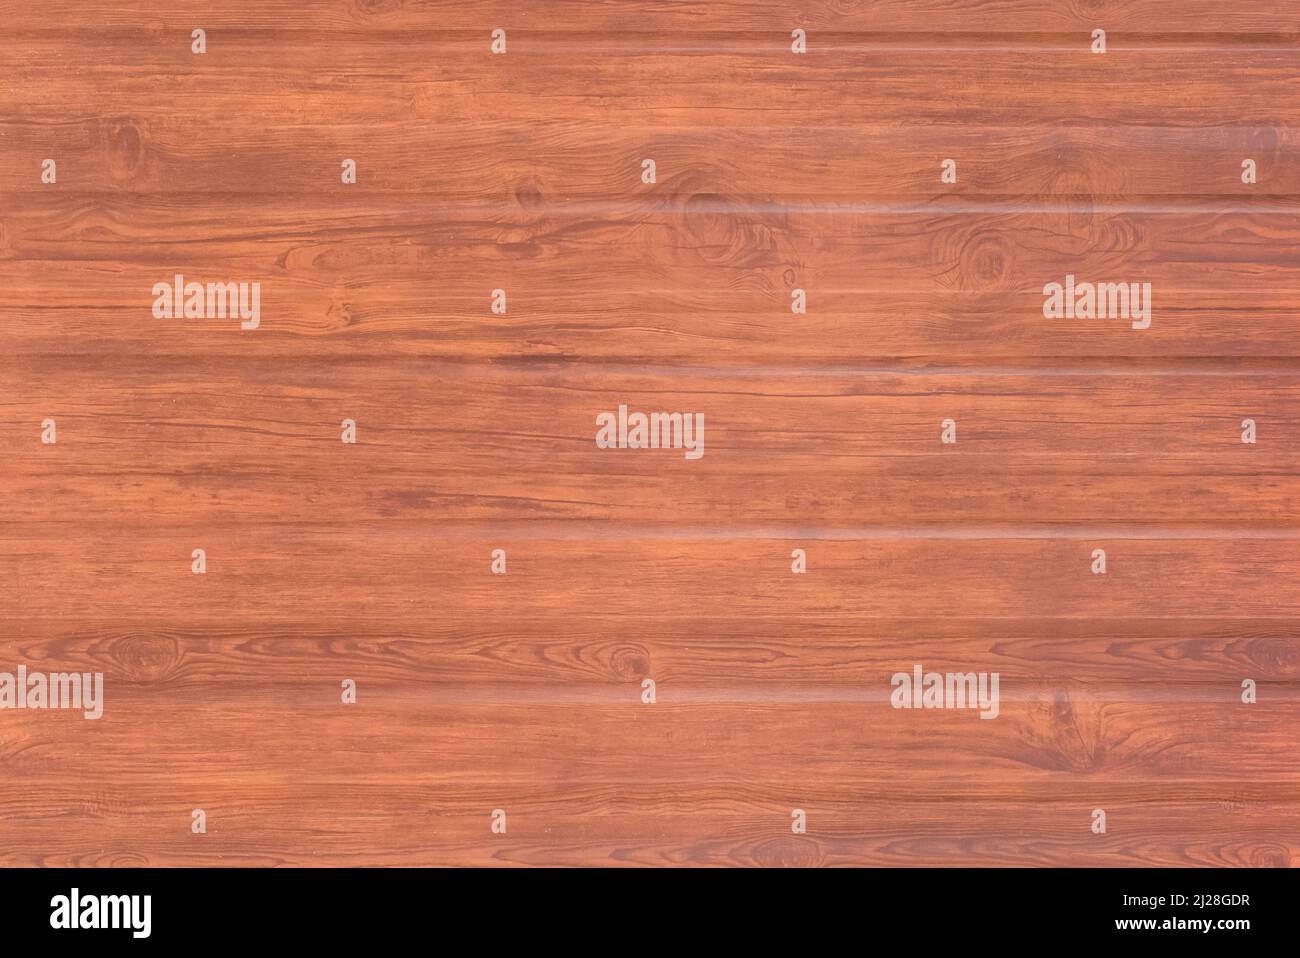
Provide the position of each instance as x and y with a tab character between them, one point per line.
407	828
244	443
413	572
530	165
866	245
708	657
1055	746
1217	334
717	242
623	17
583	785
425	78
706	280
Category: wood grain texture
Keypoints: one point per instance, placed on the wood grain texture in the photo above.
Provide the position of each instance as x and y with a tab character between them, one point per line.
476	431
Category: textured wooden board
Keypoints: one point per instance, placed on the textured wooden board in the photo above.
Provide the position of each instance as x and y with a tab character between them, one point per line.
1134	656
668	18
476	431
703	280
849	163
306	78
412	570
246	441
288	778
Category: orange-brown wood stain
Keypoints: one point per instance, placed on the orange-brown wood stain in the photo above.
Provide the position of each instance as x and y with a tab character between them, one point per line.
775	171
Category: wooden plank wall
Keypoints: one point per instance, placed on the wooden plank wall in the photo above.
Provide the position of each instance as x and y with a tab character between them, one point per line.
775	171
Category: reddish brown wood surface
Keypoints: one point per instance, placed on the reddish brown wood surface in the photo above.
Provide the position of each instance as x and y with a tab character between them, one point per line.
476	431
